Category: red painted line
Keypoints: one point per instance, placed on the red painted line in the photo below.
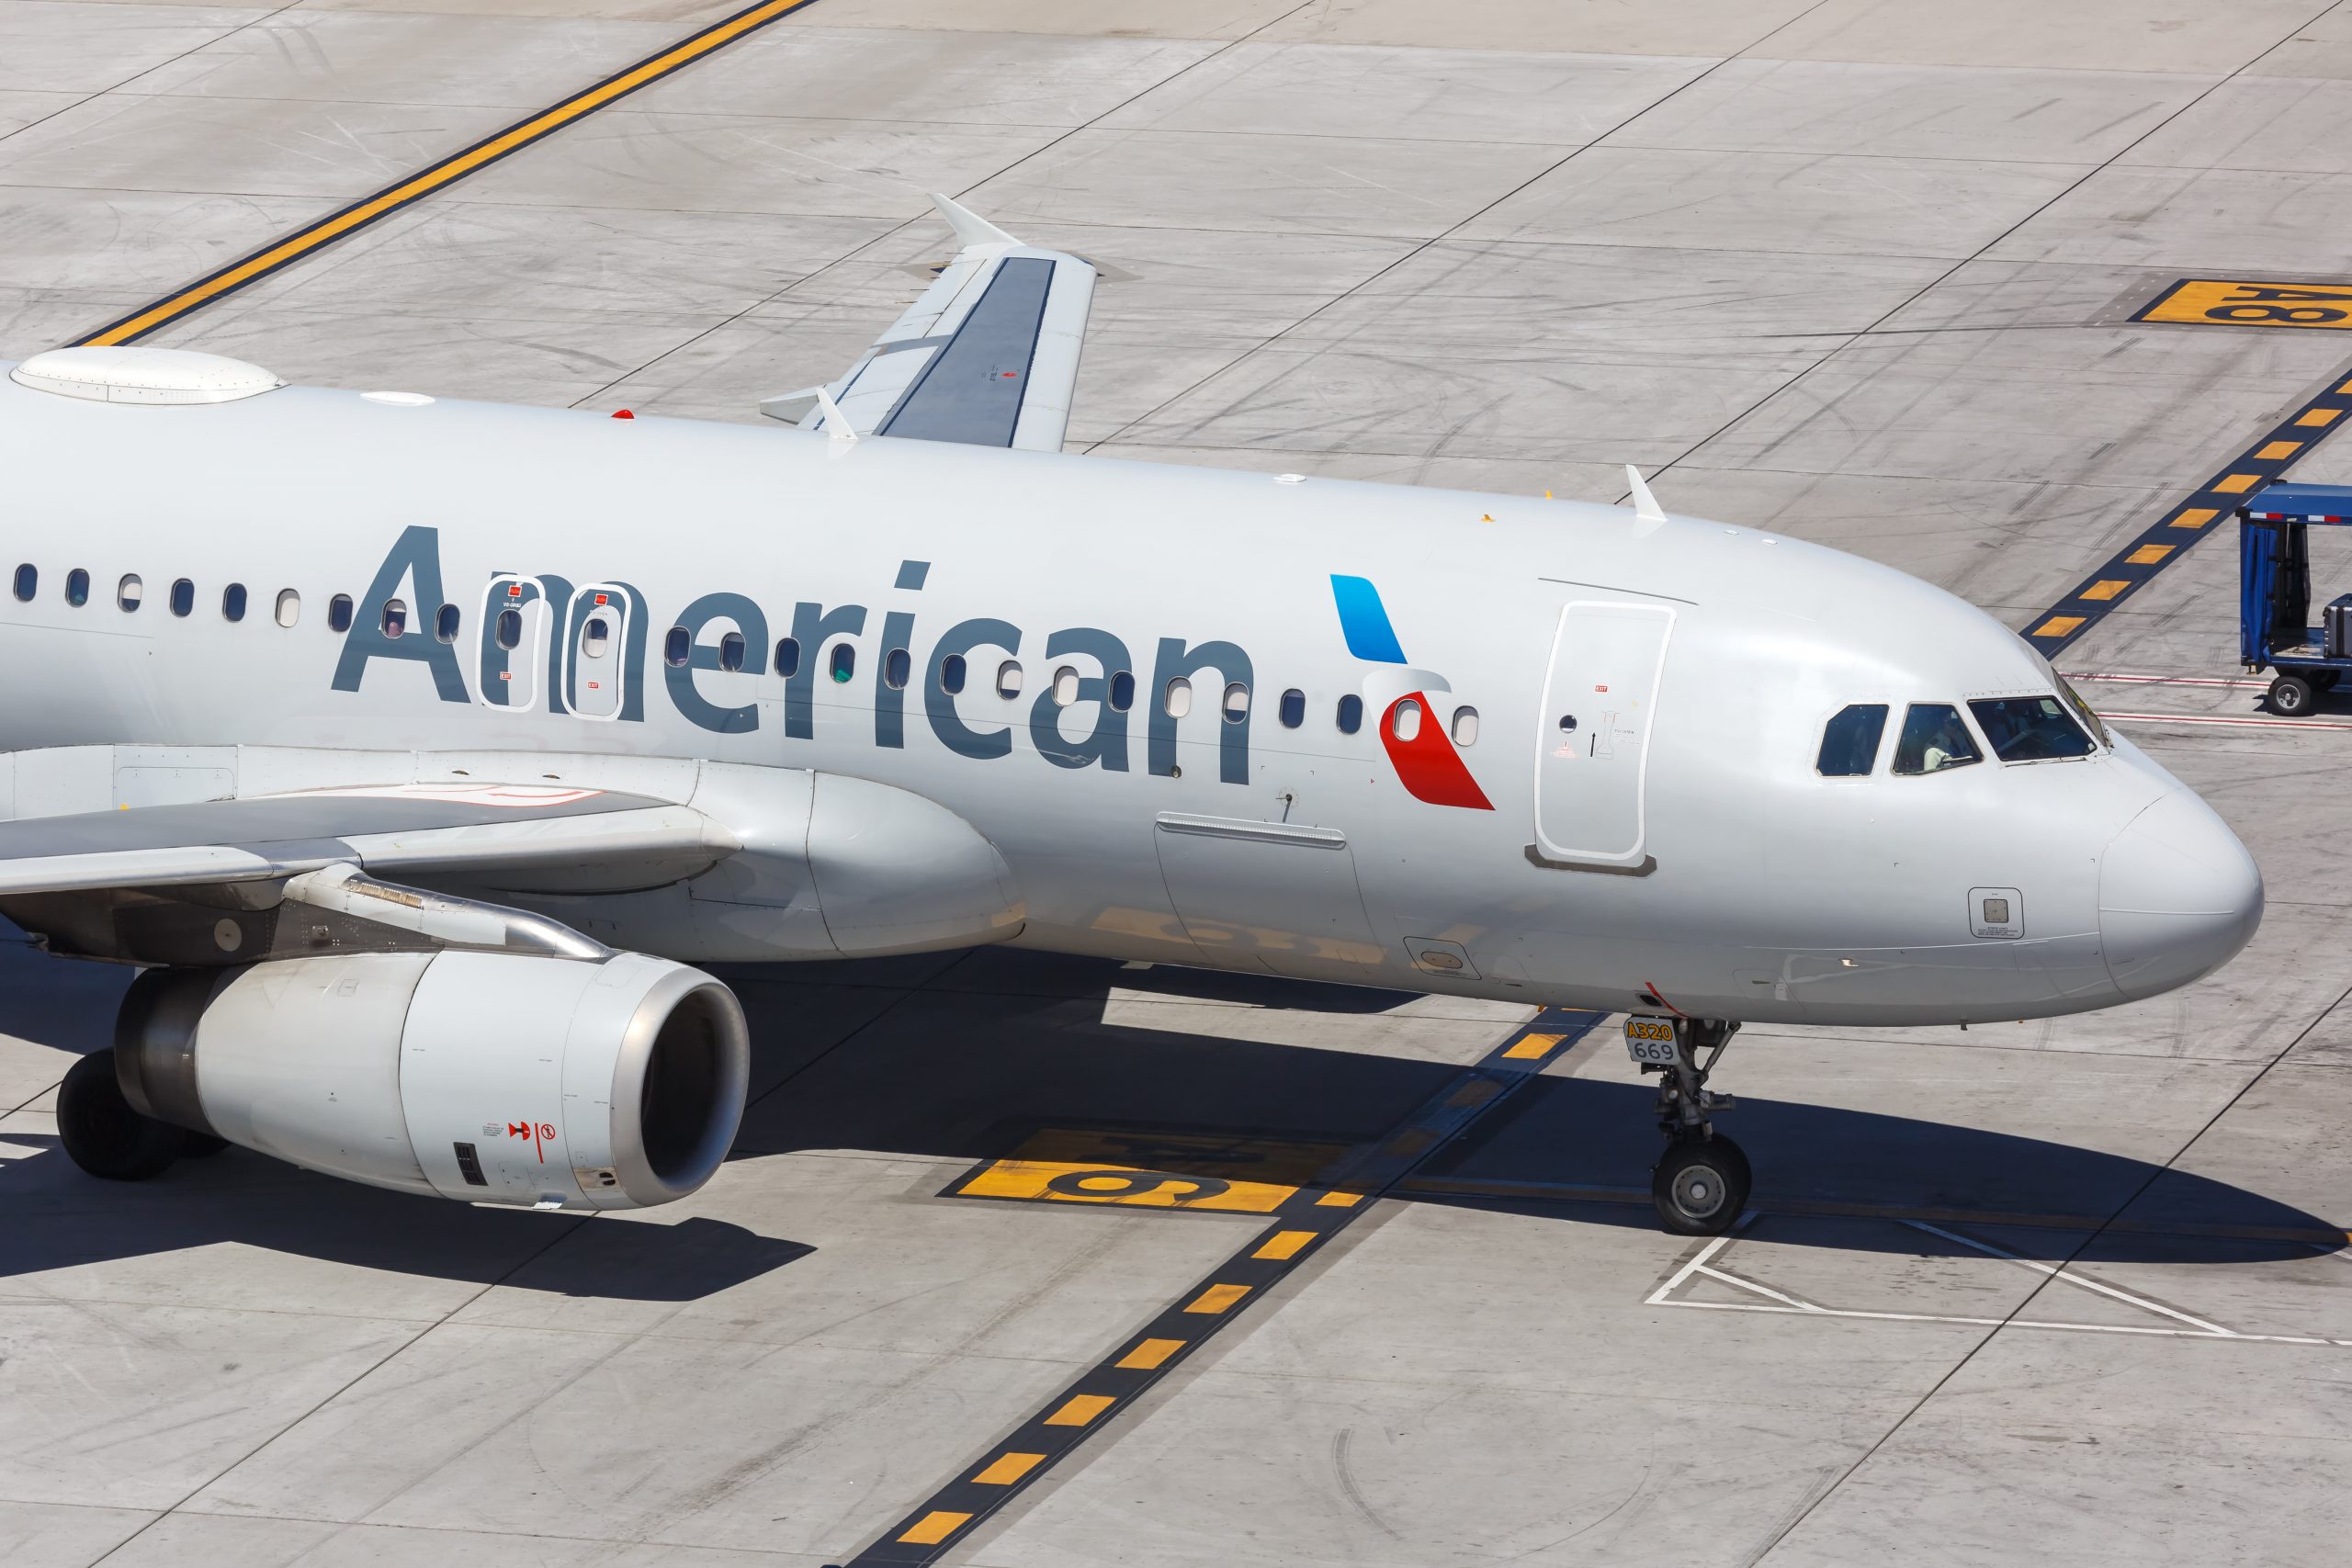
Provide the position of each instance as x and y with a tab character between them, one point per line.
2161	680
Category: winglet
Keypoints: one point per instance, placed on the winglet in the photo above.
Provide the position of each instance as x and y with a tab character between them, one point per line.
971	229
793	407
1646	506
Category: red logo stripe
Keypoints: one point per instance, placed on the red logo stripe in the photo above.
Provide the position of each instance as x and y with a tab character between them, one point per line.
1431	769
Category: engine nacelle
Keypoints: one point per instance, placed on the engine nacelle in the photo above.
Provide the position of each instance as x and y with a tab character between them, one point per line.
487	1077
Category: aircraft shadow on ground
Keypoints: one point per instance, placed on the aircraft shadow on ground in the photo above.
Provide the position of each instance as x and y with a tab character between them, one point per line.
910	1086
914	1083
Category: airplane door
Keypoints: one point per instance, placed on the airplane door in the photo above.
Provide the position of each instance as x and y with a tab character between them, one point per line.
599	645
1592	759
514	628
1273	893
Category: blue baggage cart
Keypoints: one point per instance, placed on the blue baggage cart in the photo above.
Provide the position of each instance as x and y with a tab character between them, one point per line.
2275	627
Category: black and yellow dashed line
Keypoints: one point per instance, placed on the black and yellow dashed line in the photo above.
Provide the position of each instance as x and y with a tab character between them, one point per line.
2185	522
438	177
1305	1220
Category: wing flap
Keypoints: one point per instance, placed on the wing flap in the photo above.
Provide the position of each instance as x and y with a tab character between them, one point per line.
575	837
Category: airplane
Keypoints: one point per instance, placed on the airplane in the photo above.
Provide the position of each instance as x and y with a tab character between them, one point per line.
417	749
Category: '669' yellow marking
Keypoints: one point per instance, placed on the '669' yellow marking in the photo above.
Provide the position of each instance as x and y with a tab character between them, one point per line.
1154	1171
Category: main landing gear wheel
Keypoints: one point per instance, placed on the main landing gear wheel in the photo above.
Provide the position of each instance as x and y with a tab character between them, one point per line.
100	1131
1702	1186
2290	696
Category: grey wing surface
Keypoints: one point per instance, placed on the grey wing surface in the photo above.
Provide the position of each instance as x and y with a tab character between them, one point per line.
628	840
988	356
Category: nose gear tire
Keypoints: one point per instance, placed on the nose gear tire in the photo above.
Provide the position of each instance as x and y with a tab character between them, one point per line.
100	1131
1700	1186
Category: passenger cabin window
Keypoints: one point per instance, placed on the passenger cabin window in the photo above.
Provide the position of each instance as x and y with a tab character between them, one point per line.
1292	711
1064	686
1008	677
1350	714
1177	698
898	669
1465	727
1122	689
1934	737
677	647
182	597
2030	729
844	662
1237	702
951	672
289	606
393	622
445	622
595	637
77	587
129	591
1405	723
509	631
1849	743
339	613
232	602
27	581
731	648
787	657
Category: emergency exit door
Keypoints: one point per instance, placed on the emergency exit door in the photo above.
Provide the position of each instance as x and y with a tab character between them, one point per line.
517	629
598	672
1592	761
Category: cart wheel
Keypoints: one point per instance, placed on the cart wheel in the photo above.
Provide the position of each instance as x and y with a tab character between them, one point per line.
2290	696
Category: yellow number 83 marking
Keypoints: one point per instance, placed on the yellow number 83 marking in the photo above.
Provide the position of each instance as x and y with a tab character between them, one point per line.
2213	301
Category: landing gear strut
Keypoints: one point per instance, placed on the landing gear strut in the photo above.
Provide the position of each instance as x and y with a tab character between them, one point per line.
102	1132
1700	1183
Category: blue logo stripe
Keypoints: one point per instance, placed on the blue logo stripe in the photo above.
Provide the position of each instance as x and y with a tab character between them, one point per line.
1365	621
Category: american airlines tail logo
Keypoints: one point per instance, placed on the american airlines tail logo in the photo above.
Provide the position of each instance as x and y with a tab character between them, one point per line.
1426	764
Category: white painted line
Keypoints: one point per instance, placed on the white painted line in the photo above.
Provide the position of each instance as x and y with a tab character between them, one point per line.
1657	1297
2221	718
2060	1273
2164	680
2016	1323
1801	1304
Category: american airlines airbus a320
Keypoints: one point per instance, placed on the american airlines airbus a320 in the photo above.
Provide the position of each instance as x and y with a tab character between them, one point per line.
416	748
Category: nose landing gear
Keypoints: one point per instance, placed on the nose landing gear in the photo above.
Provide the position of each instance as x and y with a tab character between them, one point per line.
1700	1183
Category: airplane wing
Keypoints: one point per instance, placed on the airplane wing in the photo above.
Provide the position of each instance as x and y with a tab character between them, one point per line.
414	828
986	357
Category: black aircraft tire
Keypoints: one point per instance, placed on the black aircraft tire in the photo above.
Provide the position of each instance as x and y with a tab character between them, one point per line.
1701	1186
2290	696
200	1146
100	1131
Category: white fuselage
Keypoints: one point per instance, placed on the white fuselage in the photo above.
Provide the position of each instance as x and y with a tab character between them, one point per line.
1690	852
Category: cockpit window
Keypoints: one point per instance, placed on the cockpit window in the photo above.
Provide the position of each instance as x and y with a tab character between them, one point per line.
2082	710
1934	737
1849	746
2030	729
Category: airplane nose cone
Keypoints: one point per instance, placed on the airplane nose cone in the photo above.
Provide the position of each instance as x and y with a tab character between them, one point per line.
2177	897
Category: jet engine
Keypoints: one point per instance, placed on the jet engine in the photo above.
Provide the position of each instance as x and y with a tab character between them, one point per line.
492	1077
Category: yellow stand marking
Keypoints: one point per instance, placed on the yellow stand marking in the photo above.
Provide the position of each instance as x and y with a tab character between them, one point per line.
2108	589
935	1527
1216	1298
2275	450
2243	302
1470	1094
1534	1045
1338	1200
1148	1356
1008	1468
2320	416
2147	555
2059	626
1285	1243
1079	1411
2195	517
2238	484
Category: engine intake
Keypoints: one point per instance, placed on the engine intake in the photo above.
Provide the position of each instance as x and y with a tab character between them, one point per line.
486	1077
